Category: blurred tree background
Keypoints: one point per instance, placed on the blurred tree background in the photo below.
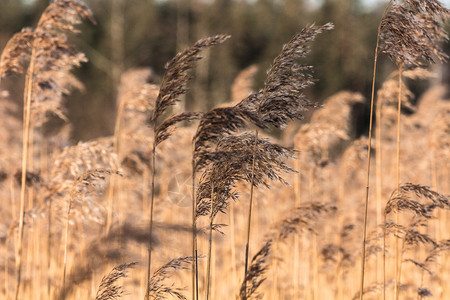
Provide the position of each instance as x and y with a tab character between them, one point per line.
132	33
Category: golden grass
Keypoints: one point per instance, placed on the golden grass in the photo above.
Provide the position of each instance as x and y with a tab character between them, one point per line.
73	222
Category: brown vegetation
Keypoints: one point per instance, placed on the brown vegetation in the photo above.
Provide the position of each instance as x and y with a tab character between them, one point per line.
188	203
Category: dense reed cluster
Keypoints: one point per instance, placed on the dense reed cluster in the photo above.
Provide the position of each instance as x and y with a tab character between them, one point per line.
207	196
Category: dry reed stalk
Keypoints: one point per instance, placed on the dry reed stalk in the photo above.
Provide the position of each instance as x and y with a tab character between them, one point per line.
49	247
378	172
31	193
44	166
312	194
27	114
397	254
229	164
387	95
213	270
216	124
439	144
249	219
6	275
410	32
281	98
297	245
369	144
233	248
194	237
211	220
39	47
172	87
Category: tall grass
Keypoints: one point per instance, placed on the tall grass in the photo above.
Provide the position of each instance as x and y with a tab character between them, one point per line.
172	87
308	237
48	69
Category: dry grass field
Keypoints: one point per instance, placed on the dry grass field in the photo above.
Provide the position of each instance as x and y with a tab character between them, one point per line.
210	205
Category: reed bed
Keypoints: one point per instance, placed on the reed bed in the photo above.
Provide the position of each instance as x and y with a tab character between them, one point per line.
206	209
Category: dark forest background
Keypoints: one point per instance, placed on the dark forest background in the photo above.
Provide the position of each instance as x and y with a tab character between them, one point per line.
133	33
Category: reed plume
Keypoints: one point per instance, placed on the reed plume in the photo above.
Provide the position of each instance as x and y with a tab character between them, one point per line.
54	57
108	288
281	99
256	273
229	164
16	54
81	188
402	200
411	31
173	85
159	289
175	78
214	125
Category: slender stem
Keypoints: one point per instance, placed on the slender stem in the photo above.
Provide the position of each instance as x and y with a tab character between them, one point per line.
397	254
400	267
296	265
233	247
247	245
66	242
369	148
208	270
194	238
49	247
26	135
398	121
196	273
312	195
384	256
378	172
315	267
113	180
152	191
